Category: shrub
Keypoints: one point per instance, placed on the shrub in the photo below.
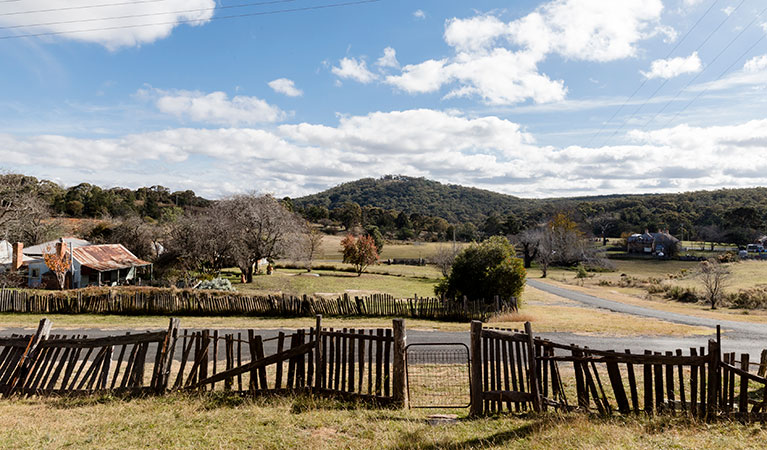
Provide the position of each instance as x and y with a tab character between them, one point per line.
216	284
682	294
482	271
580	272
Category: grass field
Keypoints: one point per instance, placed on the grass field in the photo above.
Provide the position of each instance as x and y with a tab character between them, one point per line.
302	422
330	249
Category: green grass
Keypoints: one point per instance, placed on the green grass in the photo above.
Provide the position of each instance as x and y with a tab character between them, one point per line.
293	281
179	421
330	249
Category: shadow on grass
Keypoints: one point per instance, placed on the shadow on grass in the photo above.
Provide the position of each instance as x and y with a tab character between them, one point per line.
417	440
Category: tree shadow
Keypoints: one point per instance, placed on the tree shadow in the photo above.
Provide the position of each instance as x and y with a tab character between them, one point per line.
417	440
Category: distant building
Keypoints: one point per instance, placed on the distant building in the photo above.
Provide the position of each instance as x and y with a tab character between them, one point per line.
660	243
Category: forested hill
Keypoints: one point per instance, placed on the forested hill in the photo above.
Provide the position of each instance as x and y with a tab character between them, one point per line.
452	202
735	214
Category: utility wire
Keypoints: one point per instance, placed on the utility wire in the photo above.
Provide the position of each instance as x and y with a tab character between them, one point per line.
717	78
68	8
692	80
131	16
625	122
180	21
620	108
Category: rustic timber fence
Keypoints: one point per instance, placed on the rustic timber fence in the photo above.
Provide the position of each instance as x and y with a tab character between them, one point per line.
161	301
354	363
514	370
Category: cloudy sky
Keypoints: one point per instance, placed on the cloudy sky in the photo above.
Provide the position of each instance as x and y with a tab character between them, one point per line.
530	98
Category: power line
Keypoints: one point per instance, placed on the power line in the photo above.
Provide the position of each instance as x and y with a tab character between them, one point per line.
620	108
692	80
67	8
663	84
716	79
131	16
180	21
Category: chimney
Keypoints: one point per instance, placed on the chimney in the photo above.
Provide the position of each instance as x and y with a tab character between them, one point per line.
18	256
61	250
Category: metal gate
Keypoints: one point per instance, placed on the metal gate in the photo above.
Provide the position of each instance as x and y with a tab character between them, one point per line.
438	375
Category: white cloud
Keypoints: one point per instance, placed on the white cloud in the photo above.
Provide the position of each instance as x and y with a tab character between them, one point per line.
122	25
486	152
285	86
355	69
214	108
673	67
499	62
756	64
419	14
728	10
389	58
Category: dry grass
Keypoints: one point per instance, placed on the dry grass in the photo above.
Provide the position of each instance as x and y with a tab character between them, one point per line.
301	422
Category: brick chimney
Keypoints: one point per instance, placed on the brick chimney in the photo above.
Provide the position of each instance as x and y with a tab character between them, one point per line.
61	249
18	256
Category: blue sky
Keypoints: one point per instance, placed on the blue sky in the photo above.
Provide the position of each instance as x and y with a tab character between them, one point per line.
528	98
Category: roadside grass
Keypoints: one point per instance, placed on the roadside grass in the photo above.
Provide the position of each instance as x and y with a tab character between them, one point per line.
180	421
547	312
330	250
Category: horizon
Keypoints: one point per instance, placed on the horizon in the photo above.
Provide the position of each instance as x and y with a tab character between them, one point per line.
632	98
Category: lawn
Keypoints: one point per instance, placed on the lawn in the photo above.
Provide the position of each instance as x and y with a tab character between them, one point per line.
330	249
179	421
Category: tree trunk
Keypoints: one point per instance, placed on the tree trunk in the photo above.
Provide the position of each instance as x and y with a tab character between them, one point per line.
545	268
250	274
604	239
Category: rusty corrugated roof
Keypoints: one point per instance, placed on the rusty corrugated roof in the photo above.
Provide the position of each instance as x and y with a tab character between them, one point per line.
104	258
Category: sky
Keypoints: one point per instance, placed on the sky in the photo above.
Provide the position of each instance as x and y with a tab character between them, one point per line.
291	97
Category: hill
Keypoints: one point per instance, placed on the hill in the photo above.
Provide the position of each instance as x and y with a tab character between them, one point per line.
738	215
451	202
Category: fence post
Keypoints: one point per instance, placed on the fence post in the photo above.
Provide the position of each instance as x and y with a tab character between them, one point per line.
319	368
532	369
712	389
162	372
29	357
399	391
476	368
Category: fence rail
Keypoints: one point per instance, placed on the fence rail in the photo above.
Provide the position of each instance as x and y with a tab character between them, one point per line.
158	301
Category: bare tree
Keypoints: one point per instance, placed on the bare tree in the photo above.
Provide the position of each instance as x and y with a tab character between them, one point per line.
715	276
19	205
712	233
604	223
259	227
444	258
528	241
311	244
546	250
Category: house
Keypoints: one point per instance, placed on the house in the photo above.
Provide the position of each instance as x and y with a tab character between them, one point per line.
91	264
661	243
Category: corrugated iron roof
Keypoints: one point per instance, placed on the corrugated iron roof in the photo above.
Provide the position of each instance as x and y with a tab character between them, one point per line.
104	258
39	249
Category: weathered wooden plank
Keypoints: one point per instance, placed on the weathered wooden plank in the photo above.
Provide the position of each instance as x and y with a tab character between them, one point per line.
743	397
278	366
616	380
670	384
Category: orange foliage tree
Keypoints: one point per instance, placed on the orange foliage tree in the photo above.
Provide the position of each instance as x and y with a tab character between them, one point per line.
360	252
59	263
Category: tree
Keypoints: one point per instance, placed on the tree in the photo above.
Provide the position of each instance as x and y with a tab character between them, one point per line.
59	262
529	240
19	204
360	252
602	224
482	271
375	233
257	227
311	244
715	277
444	258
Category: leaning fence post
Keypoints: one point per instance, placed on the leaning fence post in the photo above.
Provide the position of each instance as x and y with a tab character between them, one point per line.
162	372
476	368
29	357
399	381
318	361
714	357
532	369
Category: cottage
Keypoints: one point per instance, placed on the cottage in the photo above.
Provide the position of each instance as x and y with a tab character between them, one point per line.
661	243
91	264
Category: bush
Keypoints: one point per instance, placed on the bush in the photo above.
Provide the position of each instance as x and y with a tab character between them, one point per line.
580	272
682	294
482	271
216	284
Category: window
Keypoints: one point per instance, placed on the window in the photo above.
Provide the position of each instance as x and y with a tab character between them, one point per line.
35	273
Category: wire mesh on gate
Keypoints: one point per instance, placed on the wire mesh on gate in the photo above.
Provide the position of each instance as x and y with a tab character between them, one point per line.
438	375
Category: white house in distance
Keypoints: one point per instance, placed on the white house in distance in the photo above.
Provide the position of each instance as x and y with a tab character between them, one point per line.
91	264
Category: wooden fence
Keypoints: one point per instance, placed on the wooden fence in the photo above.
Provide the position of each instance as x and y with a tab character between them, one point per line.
159	301
513	370
355	363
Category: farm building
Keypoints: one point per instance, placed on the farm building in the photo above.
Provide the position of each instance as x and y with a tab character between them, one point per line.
91	265
660	243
